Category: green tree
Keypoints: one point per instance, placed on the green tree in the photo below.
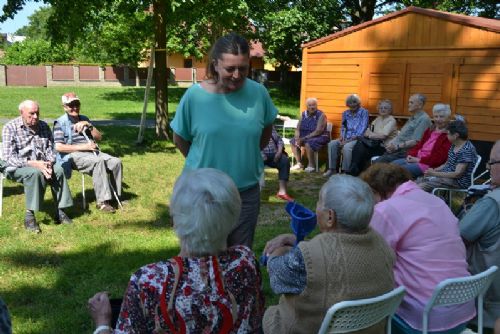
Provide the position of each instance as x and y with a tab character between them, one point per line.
37	27
35	52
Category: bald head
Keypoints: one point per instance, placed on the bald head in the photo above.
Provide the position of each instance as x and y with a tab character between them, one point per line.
30	112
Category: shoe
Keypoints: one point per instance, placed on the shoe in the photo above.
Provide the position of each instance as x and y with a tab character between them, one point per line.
30	224
310	170
296	167
62	218
328	173
285	197
104	206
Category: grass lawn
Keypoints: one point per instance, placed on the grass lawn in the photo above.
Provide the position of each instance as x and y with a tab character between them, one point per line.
110	103
46	279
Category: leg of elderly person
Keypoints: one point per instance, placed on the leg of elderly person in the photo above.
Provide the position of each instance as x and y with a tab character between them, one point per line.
412	167
34	185
347	155
296	151
95	165
114	165
60	189
429	183
389	157
311	163
333	155
244	231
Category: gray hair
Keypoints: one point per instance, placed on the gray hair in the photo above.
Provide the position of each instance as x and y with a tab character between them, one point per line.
27	103
353	98
351	199
421	98
311	99
443	109
205	206
385	101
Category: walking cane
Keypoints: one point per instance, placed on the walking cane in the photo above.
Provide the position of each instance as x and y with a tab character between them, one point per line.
84	133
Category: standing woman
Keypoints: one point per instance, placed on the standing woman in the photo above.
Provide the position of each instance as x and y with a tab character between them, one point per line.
224	122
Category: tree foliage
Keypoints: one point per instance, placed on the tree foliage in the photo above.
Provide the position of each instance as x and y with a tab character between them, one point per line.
36	52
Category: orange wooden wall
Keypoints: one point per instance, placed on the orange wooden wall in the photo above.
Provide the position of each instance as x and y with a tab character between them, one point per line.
413	53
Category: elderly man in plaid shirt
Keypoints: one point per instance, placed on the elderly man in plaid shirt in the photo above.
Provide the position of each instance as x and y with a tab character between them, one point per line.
28	151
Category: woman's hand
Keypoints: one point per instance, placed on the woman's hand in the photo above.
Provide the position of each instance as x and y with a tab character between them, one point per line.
411	159
282	240
100	309
430	172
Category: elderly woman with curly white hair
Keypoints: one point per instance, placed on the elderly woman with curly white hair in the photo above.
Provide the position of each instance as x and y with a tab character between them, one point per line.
347	260
208	287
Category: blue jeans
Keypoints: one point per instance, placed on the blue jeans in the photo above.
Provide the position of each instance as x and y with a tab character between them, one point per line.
412	167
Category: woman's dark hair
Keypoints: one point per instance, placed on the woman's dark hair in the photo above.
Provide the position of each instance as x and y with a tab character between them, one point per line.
231	43
458	127
385	178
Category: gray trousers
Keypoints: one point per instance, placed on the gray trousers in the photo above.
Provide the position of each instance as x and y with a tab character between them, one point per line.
243	232
98	166
428	183
34	183
334	152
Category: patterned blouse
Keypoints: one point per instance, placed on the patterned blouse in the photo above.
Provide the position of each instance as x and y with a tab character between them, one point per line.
466	154
211	294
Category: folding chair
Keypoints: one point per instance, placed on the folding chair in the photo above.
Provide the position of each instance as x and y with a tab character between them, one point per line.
329	128
354	315
289	124
450	191
458	291
84	202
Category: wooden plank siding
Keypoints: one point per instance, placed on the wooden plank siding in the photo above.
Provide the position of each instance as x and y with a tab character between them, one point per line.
445	60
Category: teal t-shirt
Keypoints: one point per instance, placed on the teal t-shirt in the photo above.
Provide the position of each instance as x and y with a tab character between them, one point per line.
225	130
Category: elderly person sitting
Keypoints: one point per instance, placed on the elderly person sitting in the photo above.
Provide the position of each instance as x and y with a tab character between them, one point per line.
424	233
354	124
311	134
457	170
348	260
207	288
382	130
432	150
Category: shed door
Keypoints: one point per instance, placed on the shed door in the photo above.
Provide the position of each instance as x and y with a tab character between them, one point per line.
435	81
385	81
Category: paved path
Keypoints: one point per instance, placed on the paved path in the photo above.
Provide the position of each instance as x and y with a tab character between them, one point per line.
150	123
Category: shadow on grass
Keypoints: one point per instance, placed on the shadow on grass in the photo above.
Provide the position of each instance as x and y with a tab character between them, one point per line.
137	94
51	308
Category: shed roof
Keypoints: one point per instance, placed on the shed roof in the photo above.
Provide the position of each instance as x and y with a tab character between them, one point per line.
472	21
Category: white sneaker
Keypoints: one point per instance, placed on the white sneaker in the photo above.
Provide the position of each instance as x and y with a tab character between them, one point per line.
296	167
328	173
310	169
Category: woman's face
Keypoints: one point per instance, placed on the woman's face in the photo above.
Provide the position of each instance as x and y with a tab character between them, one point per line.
440	120
232	71
312	106
452	137
322	216
384	109
353	106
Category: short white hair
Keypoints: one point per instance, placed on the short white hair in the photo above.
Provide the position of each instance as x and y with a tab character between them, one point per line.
205	206
442	109
351	199
27	103
421	98
353	98
311	99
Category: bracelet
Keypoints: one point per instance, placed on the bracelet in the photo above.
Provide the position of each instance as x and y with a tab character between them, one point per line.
102	328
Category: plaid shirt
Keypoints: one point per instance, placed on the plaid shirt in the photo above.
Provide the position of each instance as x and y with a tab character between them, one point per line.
354	125
274	142
21	144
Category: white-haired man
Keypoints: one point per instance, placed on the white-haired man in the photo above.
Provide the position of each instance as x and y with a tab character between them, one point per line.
480	229
30	157
74	137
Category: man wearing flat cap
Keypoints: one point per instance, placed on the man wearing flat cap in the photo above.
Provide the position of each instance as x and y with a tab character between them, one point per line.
74	139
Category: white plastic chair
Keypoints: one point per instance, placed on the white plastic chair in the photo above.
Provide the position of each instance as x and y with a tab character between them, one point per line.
458	291
329	128
289	124
354	315
450	191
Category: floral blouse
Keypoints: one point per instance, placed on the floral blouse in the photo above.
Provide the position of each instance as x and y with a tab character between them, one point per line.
211	294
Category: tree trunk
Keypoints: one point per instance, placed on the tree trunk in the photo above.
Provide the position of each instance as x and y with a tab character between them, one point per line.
161	110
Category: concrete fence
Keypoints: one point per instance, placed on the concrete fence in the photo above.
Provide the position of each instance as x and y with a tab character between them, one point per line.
90	75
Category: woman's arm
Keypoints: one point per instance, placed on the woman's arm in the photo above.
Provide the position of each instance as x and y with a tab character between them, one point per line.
458	172
184	145
266	136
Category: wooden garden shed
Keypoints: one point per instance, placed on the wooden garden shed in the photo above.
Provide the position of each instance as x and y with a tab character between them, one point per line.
448	57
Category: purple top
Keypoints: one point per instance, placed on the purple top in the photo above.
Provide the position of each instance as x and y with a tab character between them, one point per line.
307	125
354	124
424	234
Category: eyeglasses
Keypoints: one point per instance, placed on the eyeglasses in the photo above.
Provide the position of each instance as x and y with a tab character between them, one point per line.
491	163
74	104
